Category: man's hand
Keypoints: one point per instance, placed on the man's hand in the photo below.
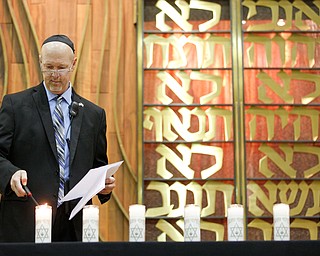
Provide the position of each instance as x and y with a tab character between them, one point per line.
18	179
110	185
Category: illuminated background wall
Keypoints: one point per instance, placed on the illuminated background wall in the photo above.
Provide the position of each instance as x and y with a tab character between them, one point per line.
230	114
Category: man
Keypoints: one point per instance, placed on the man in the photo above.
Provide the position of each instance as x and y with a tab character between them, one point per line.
49	148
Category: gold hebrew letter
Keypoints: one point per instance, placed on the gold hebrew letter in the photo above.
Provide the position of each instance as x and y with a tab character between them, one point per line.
177	44
180	19
163	189
180	90
213	7
169	230
211	188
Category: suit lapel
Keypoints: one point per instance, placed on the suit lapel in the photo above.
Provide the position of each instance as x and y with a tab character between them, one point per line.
41	101
75	128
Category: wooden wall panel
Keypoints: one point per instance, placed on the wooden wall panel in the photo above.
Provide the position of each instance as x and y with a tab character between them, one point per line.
105	39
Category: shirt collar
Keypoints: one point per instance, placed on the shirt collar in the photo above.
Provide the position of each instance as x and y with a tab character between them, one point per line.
66	95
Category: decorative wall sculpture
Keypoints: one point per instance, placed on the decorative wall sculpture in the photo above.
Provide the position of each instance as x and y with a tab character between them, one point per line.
230	114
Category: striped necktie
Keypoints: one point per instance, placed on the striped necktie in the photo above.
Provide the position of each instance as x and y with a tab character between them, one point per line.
58	125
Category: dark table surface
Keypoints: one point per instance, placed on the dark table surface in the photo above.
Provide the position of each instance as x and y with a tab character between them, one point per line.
257	248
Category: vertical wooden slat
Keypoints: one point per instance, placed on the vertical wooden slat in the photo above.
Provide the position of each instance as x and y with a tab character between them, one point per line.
67	25
130	104
83	14
3	67
18	46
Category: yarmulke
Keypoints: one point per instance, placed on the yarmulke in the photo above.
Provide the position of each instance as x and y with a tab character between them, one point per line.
60	38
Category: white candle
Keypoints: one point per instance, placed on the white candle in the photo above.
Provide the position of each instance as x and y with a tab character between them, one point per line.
281	222
137	222
43	216
192	223
235	223
90	223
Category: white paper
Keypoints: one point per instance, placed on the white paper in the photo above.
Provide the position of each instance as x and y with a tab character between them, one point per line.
90	185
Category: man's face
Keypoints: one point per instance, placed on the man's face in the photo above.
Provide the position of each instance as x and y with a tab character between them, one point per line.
57	62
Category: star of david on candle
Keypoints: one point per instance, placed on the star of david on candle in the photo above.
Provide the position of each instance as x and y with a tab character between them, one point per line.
42	233
191	232
136	232
236	231
282	231
89	233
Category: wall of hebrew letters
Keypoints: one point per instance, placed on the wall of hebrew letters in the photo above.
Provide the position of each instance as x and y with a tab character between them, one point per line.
189	152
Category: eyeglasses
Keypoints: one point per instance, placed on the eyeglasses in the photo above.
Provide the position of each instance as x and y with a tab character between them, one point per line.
60	72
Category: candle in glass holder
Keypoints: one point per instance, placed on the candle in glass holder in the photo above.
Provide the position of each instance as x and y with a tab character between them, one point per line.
192	223
137	223
90	223
235	223
43	218
281	222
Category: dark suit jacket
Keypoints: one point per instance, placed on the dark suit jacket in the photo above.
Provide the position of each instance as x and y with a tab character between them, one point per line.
27	142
